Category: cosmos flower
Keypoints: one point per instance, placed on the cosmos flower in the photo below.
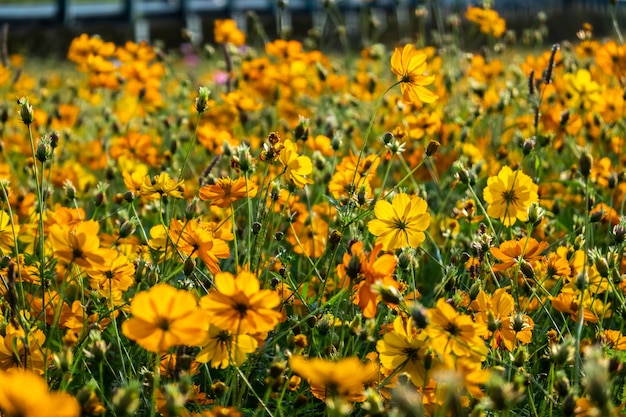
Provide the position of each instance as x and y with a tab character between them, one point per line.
409	65
345	378
238	304
509	195
400	224
164	317
25	394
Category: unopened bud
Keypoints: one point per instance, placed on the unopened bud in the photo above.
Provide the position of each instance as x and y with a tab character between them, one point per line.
202	101
27	113
432	148
586	163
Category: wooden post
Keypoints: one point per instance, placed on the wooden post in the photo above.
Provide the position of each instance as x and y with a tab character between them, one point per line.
129	11
63	15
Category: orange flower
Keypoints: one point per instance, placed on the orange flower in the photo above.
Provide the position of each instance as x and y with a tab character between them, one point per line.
25	394
504	326
512	252
568	301
222	348
239	305
409	65
365	270
489	21
226	31
226	191
193	239
345	378
164	317
80	245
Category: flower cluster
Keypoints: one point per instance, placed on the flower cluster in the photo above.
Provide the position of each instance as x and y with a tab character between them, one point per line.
284	231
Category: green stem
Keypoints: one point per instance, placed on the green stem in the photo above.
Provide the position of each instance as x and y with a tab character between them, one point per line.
193	141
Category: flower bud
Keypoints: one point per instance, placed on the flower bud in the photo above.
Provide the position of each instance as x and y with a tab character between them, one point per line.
202	101
432	148
26	111
586	163
126	400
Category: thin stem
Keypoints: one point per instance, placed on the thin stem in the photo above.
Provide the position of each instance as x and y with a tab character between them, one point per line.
193	141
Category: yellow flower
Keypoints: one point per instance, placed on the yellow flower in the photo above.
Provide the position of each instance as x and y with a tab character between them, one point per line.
162	184
489	21
583	93
165	317
226	31
296	166
25	394
223	348
509	194
239	305
345	378
405	350
80	245
401	223
409	65
17	350
454	333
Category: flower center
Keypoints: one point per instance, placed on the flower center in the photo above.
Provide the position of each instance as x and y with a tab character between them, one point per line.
509	196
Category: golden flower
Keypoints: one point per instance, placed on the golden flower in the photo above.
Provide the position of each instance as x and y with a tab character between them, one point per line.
164	317
223	348
240	306
400	224
226	31
409	65
512	252
509	195
345	378
453	333
25	394
226	191
404	349
296	166
488	20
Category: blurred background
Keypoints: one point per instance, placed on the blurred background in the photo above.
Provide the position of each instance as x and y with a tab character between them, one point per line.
46	27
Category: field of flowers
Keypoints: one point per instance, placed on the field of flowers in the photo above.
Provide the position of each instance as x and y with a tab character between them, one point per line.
410	231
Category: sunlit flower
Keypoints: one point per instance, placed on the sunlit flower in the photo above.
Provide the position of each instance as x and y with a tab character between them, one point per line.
365	270
409	64
296	166
226	31
164	317
238	304
162	185
404	349
223	348
505	327
488	20
194	240
80	244
509	195
453	333
25	394
225	191
19	350
582	91
400	224
345	378
512	252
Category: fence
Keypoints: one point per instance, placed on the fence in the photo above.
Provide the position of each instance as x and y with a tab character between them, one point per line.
139	12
